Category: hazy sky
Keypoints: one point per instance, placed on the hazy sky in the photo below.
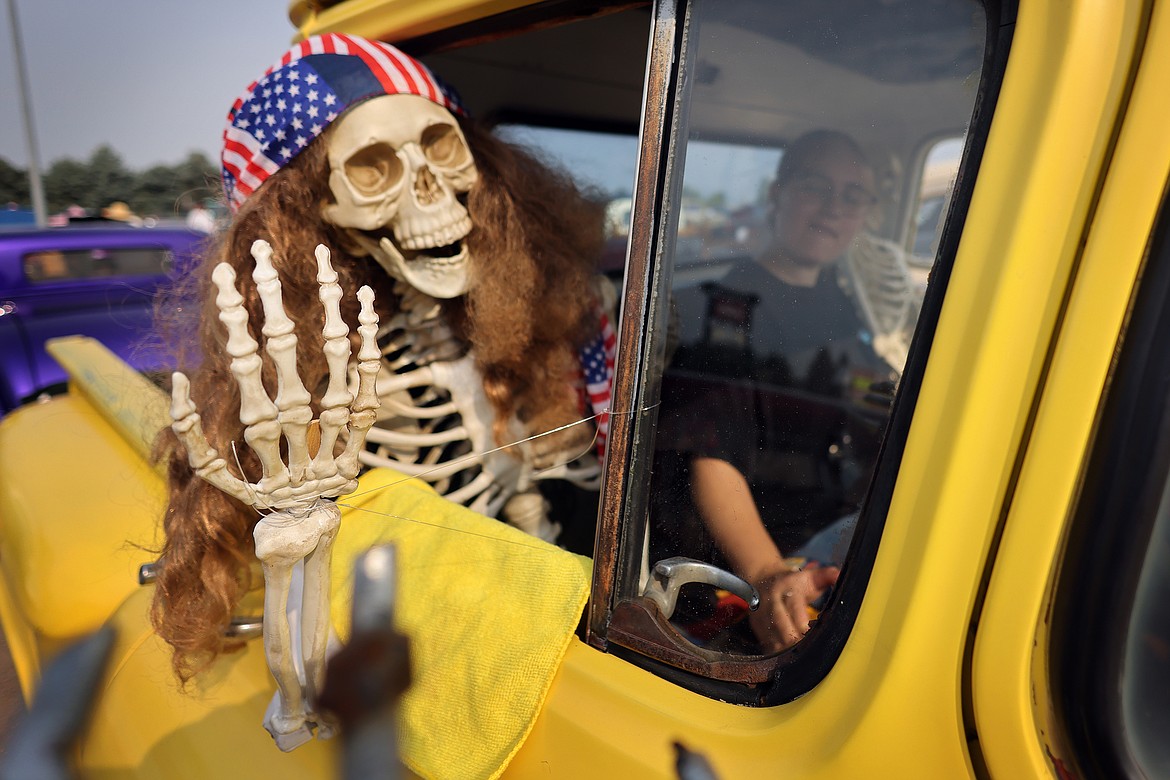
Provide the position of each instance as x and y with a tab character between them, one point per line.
152	78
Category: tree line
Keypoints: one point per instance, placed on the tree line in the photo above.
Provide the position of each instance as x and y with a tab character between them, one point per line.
162	191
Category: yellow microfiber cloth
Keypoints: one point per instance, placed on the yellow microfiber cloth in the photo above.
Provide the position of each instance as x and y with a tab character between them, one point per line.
489	612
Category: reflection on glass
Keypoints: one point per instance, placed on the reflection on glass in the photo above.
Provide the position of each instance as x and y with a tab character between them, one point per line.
934	188
50	266
601	163
792	298
1145	682
776	392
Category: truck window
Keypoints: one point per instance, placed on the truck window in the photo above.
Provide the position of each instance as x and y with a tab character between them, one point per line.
779	320
1110	657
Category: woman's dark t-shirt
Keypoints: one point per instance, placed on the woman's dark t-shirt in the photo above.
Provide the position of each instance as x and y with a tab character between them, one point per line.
778	385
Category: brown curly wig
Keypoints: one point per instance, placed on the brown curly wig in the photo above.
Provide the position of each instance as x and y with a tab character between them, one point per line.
535	242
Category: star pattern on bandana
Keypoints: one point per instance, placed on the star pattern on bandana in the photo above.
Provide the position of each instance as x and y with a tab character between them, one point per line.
286	110
304	92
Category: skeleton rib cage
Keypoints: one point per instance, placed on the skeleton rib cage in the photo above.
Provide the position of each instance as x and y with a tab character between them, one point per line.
436	423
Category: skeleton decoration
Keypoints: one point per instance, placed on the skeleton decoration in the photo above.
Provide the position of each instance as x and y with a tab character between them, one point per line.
876	273
482	262
398	166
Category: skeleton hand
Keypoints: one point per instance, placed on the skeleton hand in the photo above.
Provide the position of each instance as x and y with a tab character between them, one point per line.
303	526
302	480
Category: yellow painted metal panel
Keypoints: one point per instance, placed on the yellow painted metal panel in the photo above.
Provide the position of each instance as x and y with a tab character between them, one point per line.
893	701
127	400
72	555
20	639
1009	686
394	20
144	726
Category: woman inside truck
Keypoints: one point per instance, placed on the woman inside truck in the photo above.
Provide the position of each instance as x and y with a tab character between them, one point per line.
767	445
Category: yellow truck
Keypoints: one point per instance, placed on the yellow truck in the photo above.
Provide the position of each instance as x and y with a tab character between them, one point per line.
1000	493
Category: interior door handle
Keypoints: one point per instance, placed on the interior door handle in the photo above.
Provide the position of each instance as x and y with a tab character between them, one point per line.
671	574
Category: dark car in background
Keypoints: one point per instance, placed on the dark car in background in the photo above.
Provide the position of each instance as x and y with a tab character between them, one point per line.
96	281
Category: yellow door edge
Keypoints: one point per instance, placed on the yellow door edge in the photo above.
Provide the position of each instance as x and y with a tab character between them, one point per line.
1009	681
126	399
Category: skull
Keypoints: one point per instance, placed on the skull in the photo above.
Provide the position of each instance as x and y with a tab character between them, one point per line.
397	166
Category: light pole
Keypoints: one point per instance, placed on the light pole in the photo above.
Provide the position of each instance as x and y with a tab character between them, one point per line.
36	191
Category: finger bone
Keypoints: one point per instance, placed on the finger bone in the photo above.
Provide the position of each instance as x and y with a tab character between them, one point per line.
201	455
257	411
292	399
365	404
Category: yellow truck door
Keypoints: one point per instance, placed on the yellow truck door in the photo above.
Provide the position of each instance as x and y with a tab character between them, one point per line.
903	686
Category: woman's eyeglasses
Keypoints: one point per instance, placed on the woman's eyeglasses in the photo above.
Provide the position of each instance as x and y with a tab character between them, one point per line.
853	200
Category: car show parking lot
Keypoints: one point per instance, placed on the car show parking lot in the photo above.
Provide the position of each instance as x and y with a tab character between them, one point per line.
80	280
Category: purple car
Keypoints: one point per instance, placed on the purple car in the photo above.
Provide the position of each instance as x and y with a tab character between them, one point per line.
94	281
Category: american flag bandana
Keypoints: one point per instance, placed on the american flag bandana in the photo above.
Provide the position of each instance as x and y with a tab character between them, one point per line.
301	95
597	364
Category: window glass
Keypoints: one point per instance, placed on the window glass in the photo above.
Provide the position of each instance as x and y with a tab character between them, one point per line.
788	299
1110	642
54	266
722	215
602	163
1145	681
934	187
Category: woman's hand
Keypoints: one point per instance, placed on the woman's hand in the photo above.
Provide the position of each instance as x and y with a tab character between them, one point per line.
725	502
785	598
